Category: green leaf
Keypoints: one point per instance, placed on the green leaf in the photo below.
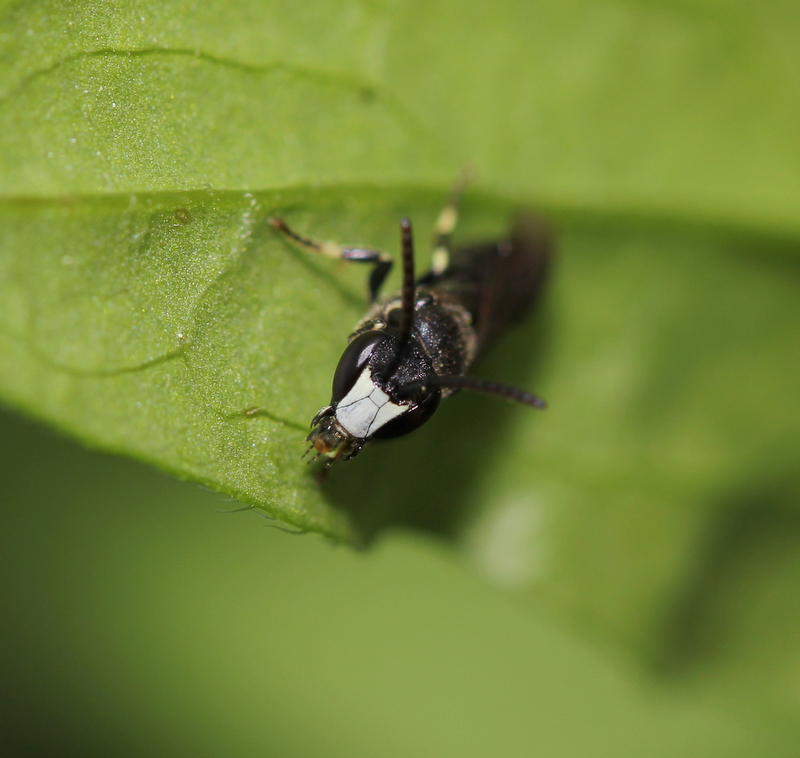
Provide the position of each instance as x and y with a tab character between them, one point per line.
146	306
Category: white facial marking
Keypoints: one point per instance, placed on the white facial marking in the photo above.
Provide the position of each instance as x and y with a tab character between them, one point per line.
366	408
387	412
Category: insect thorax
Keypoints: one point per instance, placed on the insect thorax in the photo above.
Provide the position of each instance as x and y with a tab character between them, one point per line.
442	330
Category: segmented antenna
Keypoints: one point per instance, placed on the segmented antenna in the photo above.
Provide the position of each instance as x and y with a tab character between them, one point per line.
480	385
407	295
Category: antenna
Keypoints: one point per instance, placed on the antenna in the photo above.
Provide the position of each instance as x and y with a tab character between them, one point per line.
407	295
409	285
481	385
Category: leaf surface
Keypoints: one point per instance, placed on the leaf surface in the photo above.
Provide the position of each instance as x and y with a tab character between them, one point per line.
147	308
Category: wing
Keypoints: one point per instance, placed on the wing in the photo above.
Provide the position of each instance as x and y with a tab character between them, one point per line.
497	282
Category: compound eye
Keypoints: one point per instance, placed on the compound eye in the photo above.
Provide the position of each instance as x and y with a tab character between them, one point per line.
412	419
352	363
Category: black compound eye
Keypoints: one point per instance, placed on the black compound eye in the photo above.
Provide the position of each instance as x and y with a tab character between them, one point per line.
413	419
352	362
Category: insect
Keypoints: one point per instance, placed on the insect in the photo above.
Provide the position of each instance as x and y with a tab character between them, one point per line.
415	347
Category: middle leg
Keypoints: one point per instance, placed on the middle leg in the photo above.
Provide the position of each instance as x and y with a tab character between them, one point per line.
446	223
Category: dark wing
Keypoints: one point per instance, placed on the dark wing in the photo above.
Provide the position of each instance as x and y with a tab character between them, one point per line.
499	282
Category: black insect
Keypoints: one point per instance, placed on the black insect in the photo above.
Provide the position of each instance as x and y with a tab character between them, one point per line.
414	348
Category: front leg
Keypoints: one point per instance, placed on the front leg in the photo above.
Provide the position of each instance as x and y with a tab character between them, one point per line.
381	261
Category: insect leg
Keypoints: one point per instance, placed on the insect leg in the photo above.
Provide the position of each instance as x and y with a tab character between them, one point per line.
381	261
446	223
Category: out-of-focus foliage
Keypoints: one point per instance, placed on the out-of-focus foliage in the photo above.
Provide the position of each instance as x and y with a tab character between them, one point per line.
145	305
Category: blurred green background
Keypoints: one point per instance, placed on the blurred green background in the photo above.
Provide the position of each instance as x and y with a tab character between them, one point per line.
618	576
139	620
